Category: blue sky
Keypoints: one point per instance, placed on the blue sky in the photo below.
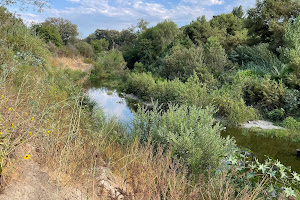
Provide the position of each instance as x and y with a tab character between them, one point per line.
90	15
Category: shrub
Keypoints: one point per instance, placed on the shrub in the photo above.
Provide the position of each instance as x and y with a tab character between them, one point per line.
292	102
291	123
84	49
276	114
141	85
48	33
191	131
258	59
182	62
267	94
112	62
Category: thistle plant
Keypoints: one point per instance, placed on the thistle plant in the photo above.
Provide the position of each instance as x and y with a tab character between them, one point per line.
250	172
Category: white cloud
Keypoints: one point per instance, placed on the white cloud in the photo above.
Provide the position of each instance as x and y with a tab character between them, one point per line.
90	15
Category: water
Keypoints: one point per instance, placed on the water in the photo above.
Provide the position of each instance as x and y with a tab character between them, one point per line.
116	106
112	103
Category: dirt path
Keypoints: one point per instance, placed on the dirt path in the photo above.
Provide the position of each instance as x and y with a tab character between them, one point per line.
32	183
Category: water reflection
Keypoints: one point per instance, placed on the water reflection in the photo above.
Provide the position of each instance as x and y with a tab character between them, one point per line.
111	103
120	108
277	148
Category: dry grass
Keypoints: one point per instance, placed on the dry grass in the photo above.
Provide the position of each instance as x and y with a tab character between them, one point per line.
76	149
71	63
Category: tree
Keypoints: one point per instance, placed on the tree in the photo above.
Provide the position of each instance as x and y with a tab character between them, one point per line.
238	12
183	62
23	4
99	45
48	33
214	56
66	29
292	50
267	21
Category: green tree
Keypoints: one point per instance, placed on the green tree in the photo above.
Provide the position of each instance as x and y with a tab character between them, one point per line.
214	56
267	21
66	28
99	45
84	49
238	12
48	33
292	51
182	62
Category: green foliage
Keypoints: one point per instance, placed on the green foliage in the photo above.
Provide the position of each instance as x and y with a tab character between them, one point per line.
191	132
258	59
265	93
267	21
292	51
215	56
84	49
66	28
151	43
99	45
276	114
248	172
182	62
138	67
292	102
231	105
48	33
291	123
194	93
109	63
115	39
141	85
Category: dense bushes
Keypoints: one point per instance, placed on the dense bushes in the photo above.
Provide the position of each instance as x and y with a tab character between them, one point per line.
228	101
190	131
110	63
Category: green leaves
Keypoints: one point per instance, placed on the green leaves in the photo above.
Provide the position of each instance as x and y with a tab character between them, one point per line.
279	178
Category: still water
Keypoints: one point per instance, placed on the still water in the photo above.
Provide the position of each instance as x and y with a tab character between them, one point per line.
116	106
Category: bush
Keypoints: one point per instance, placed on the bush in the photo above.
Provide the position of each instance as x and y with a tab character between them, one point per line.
258	59
291	123
112	62
276	114
265	93
85	49
292	102
182	62
141	85
191	131
48	33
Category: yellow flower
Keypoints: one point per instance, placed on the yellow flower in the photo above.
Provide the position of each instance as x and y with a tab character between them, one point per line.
27	157
12	125
30	133
9	109
2	96
48	132
32	118
26	114
1	133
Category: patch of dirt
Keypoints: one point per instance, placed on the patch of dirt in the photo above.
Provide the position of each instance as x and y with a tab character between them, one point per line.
33	183
71	63
261	124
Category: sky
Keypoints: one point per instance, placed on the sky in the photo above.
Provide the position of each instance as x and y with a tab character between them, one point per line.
90	15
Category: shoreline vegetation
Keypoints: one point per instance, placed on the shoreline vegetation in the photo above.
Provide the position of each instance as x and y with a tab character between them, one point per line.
240	67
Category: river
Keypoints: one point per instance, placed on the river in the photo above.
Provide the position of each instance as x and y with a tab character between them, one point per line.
116	106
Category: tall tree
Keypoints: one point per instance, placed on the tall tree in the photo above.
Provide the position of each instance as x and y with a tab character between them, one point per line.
66	28
267	21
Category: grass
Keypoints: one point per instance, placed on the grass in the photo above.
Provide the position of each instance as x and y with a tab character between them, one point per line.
287	134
